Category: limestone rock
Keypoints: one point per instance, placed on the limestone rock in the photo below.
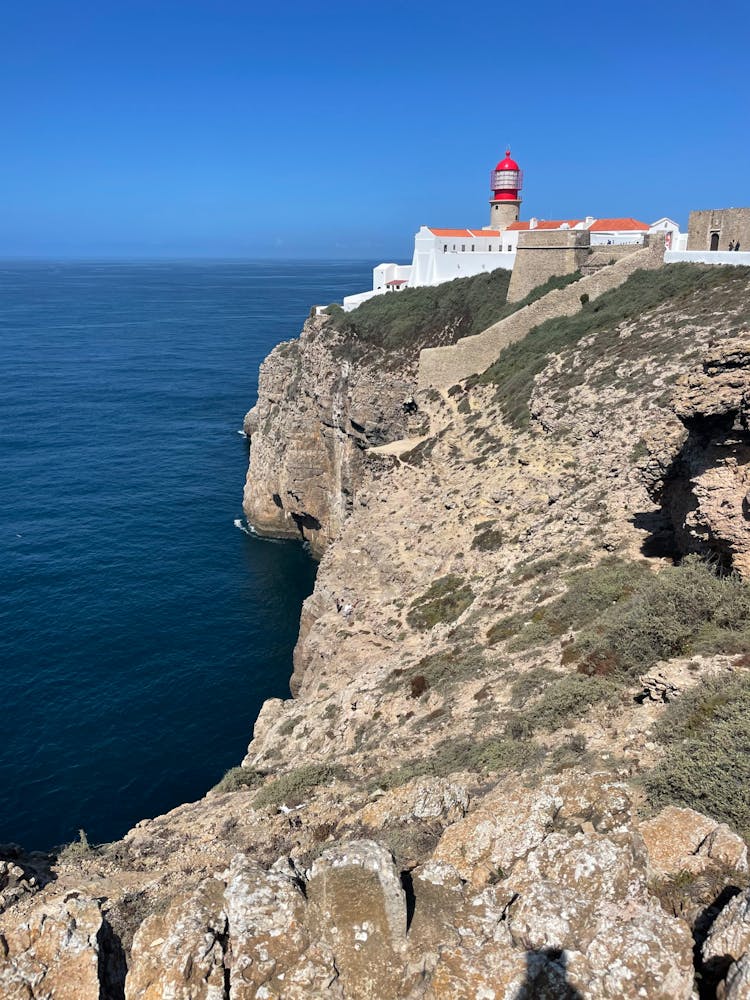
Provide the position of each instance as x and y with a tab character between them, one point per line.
317	412
53	953
736	986
705	474
720	387
181	953
422	798
684	840
358	908
507	824
729	936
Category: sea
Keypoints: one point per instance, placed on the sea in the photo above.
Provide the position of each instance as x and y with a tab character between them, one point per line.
142	624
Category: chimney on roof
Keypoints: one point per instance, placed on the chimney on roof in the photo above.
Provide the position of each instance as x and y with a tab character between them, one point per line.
532	222
590	220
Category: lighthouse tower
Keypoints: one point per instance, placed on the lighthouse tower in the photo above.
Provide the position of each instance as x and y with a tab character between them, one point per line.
506	181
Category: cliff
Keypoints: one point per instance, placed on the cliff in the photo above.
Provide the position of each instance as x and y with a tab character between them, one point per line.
516	763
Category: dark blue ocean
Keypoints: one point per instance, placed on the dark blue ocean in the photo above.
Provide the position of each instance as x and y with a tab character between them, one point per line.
140	630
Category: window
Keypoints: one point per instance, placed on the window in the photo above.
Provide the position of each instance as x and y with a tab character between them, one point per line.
508	248
463	248
445	248
454	246
490	248
472	248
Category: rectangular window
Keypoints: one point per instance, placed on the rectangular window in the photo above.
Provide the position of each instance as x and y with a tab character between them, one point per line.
463	248
508	248
490	248
445	248
454	246
472	248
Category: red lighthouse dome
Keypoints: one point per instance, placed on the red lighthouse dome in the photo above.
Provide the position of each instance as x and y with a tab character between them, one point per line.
506	180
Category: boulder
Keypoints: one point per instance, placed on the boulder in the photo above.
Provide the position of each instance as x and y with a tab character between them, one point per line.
685	840
54	953
358	909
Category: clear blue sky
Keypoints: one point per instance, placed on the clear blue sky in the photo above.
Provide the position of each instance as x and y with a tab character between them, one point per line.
336	129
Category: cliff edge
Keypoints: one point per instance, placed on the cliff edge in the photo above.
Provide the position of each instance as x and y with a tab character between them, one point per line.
516	762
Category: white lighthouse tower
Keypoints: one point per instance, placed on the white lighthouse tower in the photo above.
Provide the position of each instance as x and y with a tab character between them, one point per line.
506	181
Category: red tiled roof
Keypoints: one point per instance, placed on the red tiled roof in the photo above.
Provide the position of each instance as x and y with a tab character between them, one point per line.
397	281
544	224
465	233
610	225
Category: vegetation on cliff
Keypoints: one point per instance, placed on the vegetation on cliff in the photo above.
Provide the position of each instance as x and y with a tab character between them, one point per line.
514	371
401	325
706	733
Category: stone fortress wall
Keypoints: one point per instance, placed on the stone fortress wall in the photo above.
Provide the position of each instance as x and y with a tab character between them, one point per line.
729	225
442	367
604	255
542	254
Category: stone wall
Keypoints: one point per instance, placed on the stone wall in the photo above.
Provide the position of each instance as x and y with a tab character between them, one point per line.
731	224
542	254
444	366
606	254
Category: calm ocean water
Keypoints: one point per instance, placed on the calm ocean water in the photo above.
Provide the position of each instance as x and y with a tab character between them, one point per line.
139	629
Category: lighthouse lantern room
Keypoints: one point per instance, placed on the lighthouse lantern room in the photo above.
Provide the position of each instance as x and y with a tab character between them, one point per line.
506	181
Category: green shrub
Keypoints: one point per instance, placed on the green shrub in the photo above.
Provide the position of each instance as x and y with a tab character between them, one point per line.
500	753
529	684
514	371
444	601
588	593
292	788
504	628
568	698
541	567
238	777
706	766
488	541
682	610
461	663
288	727
77	850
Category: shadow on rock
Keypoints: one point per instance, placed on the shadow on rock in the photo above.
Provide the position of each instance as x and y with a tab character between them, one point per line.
547	977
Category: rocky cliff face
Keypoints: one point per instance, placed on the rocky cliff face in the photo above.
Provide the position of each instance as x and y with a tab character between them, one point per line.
318	411
515	765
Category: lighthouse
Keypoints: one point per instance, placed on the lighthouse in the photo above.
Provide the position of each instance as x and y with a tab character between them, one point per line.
506	181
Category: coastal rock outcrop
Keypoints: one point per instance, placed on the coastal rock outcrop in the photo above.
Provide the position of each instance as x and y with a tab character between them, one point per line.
515	763
704	485
318	410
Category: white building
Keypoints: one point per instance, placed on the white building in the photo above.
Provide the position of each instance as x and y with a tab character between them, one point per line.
444	254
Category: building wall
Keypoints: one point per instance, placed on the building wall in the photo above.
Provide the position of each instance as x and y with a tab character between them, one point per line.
731	224
443	258
708	257
617	238
352	301
389	272
542	254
